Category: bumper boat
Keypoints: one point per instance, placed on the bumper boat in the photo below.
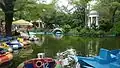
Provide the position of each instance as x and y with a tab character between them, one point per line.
15	44
24	42
5	46
5	56
39	62
5	38
105	59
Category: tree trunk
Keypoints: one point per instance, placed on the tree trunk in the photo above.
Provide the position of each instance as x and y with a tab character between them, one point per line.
8	24
9	11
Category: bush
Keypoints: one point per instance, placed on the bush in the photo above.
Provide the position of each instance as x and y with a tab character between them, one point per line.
73	31
84	31
66	28
100	32
116	28
91	32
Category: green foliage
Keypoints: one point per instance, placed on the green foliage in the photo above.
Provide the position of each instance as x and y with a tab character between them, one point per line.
31	10
84	31
49	15
91	32
73	31
100	32
28	12
66	28
78	17
105	25
108	12
71	22
116	28
81	2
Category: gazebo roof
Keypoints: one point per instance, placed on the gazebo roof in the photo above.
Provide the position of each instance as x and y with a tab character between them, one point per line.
93	12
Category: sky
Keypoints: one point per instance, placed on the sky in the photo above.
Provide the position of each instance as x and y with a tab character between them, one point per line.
60	3
49	1
44	1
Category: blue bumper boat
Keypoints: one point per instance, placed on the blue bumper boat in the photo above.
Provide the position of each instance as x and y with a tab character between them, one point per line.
105	59
5	38
15	44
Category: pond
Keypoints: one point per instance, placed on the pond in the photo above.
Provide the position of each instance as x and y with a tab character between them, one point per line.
50	45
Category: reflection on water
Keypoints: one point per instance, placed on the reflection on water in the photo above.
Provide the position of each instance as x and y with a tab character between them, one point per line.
92	48
57	36
15	52
40	41
51	45
25	52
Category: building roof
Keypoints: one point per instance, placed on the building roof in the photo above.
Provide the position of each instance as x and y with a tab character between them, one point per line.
93	12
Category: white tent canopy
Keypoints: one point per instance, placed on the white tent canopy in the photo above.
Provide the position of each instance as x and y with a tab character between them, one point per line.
22	22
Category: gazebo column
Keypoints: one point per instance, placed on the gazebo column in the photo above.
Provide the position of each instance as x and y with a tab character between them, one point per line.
91	21
42	25
97	22
39	25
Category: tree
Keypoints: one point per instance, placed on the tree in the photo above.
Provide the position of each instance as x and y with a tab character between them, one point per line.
30	11
108	9
79	16
20	6
7	7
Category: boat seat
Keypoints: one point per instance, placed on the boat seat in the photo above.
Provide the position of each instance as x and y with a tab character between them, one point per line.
2	51
117	63
29	65
105	56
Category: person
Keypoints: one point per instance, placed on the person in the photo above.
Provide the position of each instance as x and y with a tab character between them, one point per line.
28	30
16	33
35	27
24	35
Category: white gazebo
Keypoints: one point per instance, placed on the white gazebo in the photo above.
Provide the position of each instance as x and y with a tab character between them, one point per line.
93	19
41	24
93	16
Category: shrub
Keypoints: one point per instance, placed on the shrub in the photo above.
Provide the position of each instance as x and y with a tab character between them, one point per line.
116	28
73	31
66	28
84	31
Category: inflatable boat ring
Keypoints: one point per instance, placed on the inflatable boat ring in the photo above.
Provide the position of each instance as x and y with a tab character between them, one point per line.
39	64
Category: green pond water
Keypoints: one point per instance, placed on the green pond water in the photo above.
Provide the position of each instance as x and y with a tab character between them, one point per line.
51	45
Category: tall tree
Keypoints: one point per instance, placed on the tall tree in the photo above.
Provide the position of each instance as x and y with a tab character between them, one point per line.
81	12
30	11
7	7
